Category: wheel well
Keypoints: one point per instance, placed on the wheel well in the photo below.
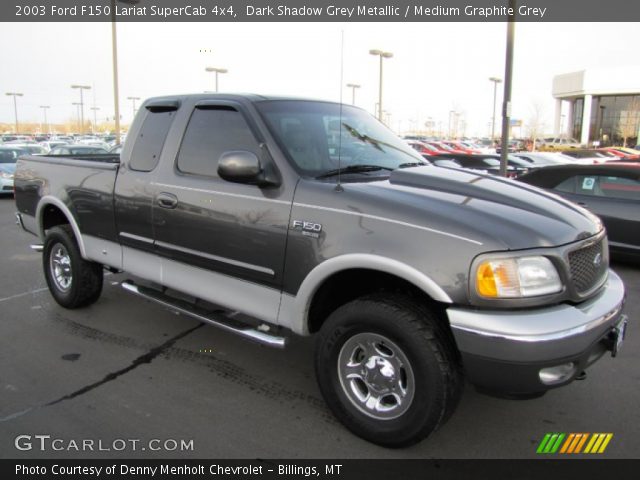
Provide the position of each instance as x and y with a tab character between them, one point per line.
52	216
342	287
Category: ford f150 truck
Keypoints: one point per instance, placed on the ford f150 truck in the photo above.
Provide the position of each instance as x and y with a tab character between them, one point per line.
310	217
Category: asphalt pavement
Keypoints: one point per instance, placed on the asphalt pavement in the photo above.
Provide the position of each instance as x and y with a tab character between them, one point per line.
133	377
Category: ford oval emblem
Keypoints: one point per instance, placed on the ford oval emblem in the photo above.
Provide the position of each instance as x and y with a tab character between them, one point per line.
597	260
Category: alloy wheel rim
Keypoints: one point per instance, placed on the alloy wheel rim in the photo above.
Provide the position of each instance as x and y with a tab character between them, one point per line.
60	266
376	376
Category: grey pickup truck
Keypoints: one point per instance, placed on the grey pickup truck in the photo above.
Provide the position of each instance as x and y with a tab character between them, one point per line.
271	216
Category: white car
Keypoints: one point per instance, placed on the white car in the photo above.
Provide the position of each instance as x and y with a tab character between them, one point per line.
8	157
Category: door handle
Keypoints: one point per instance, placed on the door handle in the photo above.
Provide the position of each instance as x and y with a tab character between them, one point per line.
167	200
582	204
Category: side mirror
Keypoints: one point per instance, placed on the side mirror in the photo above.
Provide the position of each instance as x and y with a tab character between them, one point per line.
240	167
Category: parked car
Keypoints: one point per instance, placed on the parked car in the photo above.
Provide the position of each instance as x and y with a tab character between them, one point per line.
559	143
30	148
621	152
487	163
8	157
413	278
50	144
589	156
610	190
543	159
117	149
75	149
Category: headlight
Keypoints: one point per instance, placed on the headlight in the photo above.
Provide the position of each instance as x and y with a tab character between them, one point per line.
517	277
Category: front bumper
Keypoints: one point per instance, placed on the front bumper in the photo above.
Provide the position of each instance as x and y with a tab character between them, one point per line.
6	186
504	351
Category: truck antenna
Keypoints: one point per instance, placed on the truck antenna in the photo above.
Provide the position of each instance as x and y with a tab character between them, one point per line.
339	184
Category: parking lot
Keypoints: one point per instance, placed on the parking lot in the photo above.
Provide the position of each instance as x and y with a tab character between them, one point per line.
126	369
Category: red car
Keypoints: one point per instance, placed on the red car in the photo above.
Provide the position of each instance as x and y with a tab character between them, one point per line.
622	154
460	147
442	147
423	148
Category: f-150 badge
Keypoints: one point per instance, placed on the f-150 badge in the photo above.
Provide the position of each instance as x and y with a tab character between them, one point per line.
309	229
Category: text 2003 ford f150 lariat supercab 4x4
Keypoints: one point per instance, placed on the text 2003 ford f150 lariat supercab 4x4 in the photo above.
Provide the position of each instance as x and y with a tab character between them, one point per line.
313	218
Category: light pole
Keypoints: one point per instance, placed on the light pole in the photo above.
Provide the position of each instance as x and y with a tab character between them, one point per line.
95	117
15	105
495	81
353	87
77	104
382	55
216	71
133	99
506	99
114	56
81	88
44	110
451	114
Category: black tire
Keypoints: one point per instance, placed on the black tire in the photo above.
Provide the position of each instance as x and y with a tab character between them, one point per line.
406	333
78	282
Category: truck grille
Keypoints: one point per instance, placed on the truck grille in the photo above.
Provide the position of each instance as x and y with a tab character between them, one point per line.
588	266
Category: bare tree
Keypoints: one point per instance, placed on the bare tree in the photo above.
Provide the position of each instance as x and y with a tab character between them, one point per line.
629	121
536	123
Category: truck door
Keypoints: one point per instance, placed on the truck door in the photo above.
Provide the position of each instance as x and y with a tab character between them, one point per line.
221	241
134	194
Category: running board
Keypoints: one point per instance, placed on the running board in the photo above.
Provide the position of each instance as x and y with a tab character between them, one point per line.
217	320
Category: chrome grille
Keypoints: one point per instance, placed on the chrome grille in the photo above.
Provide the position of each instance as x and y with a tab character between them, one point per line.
588	266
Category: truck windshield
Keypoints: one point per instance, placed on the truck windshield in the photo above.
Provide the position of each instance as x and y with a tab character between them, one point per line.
316	134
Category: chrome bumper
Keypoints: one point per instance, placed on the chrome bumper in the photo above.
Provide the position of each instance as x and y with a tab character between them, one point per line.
539	335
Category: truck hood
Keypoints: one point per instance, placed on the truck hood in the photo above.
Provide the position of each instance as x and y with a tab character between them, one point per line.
504	213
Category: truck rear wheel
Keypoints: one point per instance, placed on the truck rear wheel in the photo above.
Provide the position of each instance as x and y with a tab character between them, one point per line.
388	369
73	281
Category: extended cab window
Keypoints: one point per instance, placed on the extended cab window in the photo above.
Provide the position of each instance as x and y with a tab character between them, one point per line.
210	133
150	140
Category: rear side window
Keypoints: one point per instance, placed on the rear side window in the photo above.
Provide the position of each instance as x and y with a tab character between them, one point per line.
210	133
150	140
602	186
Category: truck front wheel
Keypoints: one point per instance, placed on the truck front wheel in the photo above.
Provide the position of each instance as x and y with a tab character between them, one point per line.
387	369
73	281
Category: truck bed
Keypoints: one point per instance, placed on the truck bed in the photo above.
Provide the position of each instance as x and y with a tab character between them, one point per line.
84	184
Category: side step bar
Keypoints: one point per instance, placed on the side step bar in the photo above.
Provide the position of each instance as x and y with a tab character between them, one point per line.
215	319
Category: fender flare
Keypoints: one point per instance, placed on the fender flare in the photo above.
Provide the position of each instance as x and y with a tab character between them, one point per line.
294	310
51	200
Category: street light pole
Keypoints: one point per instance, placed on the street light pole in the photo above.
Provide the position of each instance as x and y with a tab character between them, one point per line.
382	56
44	110
81	88
133	99
15	105
216	71
508	76
77	104
114	56
95	117
495	81
353	87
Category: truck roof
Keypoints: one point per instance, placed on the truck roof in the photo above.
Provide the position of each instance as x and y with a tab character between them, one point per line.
251	97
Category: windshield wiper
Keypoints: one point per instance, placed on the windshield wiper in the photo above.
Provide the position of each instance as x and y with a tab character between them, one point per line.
353	169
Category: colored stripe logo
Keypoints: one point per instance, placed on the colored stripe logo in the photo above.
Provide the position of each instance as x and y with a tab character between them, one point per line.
574	443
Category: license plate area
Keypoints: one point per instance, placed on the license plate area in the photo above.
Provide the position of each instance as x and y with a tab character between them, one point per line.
617	335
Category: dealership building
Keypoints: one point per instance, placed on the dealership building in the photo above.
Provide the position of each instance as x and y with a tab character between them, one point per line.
598	105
